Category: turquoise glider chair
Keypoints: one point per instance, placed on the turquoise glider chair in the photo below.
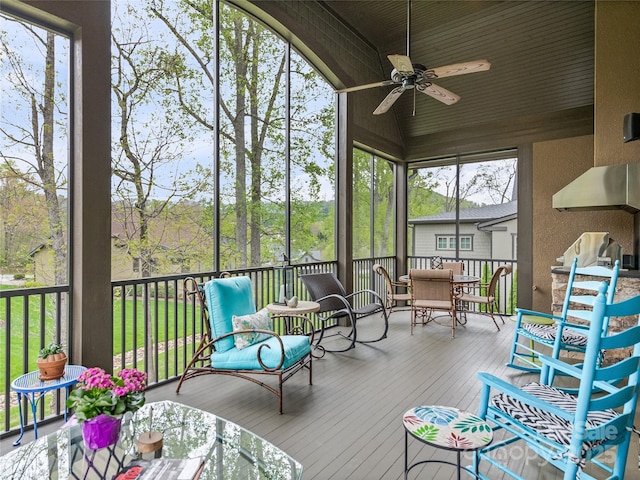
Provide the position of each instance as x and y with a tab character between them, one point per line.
570	431
536	329
241	342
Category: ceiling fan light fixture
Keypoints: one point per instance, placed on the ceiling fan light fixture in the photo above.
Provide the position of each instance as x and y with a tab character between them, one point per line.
409	83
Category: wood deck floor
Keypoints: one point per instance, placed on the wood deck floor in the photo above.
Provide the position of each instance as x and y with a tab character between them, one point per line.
347	425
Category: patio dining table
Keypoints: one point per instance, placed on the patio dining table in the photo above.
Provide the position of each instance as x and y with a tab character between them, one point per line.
458	280
458	283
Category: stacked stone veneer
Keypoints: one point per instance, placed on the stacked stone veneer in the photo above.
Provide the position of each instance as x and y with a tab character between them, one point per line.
628	286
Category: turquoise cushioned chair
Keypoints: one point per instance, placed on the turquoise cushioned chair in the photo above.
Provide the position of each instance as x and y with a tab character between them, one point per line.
570	431
278	355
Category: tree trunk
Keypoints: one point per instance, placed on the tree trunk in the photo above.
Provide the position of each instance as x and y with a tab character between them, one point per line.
46	171
256	165
240	147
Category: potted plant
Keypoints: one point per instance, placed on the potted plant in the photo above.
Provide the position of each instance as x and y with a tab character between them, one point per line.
100	399
51	362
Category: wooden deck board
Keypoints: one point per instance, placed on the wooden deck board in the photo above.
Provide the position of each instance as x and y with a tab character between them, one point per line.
347	425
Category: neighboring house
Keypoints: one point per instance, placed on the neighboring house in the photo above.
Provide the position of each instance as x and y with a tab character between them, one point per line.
485	232
311	257
123	266
42	257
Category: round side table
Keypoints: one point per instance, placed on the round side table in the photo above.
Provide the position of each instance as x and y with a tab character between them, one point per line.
34	390
447	428
303	308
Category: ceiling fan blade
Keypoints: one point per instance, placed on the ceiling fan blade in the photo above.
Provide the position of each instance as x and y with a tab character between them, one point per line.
384	83
402	64
439	93
389	100
458	69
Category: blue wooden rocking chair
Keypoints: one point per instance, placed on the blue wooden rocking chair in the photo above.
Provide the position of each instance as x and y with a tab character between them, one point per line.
239	341
534	329
570	431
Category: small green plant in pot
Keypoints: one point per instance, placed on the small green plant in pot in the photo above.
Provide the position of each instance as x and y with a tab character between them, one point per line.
51	362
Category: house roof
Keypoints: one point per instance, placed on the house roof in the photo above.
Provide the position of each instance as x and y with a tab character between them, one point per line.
488	213
114	239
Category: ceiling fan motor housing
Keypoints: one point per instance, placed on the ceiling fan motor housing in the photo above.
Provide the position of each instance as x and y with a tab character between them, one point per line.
418	74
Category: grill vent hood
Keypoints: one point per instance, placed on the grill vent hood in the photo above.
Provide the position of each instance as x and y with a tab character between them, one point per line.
612	187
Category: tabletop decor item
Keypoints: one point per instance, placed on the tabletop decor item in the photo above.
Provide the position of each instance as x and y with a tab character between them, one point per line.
151	441
51	362
100	400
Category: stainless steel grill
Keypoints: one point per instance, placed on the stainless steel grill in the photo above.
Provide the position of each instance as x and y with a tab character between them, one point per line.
593	248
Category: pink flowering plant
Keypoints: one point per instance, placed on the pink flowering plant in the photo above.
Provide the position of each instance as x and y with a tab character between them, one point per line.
98	393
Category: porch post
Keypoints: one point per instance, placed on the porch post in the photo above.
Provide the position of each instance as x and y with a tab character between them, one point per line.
344	190
525	226
401	196
91	267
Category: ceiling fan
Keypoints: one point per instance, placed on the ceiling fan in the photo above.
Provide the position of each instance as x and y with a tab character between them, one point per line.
407	75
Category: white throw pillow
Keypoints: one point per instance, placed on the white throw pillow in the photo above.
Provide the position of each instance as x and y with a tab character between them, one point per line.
255	321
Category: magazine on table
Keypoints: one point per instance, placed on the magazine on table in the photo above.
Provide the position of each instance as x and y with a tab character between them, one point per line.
162	469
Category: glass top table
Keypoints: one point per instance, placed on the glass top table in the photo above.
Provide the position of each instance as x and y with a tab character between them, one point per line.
229	451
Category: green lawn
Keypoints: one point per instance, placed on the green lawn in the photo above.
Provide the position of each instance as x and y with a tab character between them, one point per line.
174	322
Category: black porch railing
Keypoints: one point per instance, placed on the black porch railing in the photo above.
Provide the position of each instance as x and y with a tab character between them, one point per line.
507	287
157	329
30	318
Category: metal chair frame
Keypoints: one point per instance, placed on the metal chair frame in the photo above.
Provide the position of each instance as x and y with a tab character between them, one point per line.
490	299
335	303
200	364
432	290
392	296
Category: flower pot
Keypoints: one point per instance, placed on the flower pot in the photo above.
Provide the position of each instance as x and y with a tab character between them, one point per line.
52	367
101	431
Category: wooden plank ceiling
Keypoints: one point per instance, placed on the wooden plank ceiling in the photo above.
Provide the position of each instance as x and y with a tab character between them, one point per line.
542	56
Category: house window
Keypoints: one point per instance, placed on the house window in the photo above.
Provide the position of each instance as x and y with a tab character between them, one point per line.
448	242
153	265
